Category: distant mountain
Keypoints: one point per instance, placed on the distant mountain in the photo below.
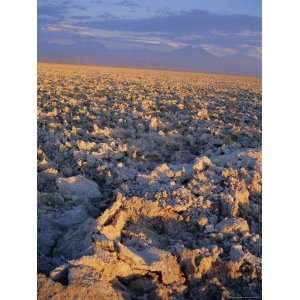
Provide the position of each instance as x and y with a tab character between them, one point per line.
187	58
87	52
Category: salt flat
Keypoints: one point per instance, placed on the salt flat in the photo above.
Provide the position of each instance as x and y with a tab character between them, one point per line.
149	184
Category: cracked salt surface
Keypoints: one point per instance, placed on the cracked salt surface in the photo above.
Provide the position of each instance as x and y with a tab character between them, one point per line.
149	184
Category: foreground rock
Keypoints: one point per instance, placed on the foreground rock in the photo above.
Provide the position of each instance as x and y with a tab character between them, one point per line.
78	186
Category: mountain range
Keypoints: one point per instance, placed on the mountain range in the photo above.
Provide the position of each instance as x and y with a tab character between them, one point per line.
187	58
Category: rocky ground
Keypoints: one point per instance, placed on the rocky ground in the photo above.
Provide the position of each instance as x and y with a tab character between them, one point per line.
149	184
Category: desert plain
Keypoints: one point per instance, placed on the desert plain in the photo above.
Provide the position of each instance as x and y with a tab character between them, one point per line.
149	184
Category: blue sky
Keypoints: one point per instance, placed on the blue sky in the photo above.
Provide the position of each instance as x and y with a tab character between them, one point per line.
227	31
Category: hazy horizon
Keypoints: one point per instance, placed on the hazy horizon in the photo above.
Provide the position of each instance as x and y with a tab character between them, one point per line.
142	68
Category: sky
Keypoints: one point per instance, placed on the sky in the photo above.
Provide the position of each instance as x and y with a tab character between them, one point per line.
221	36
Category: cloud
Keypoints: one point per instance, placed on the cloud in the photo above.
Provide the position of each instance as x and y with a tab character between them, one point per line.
97	1
118	35
53	10
107	16
81	17
185	22
221	35
57	10
218	51
189	27
61	42
252	51
128	4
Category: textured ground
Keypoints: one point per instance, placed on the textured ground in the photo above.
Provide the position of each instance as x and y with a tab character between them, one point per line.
149	184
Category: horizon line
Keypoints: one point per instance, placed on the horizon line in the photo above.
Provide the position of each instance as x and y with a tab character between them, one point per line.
43	61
